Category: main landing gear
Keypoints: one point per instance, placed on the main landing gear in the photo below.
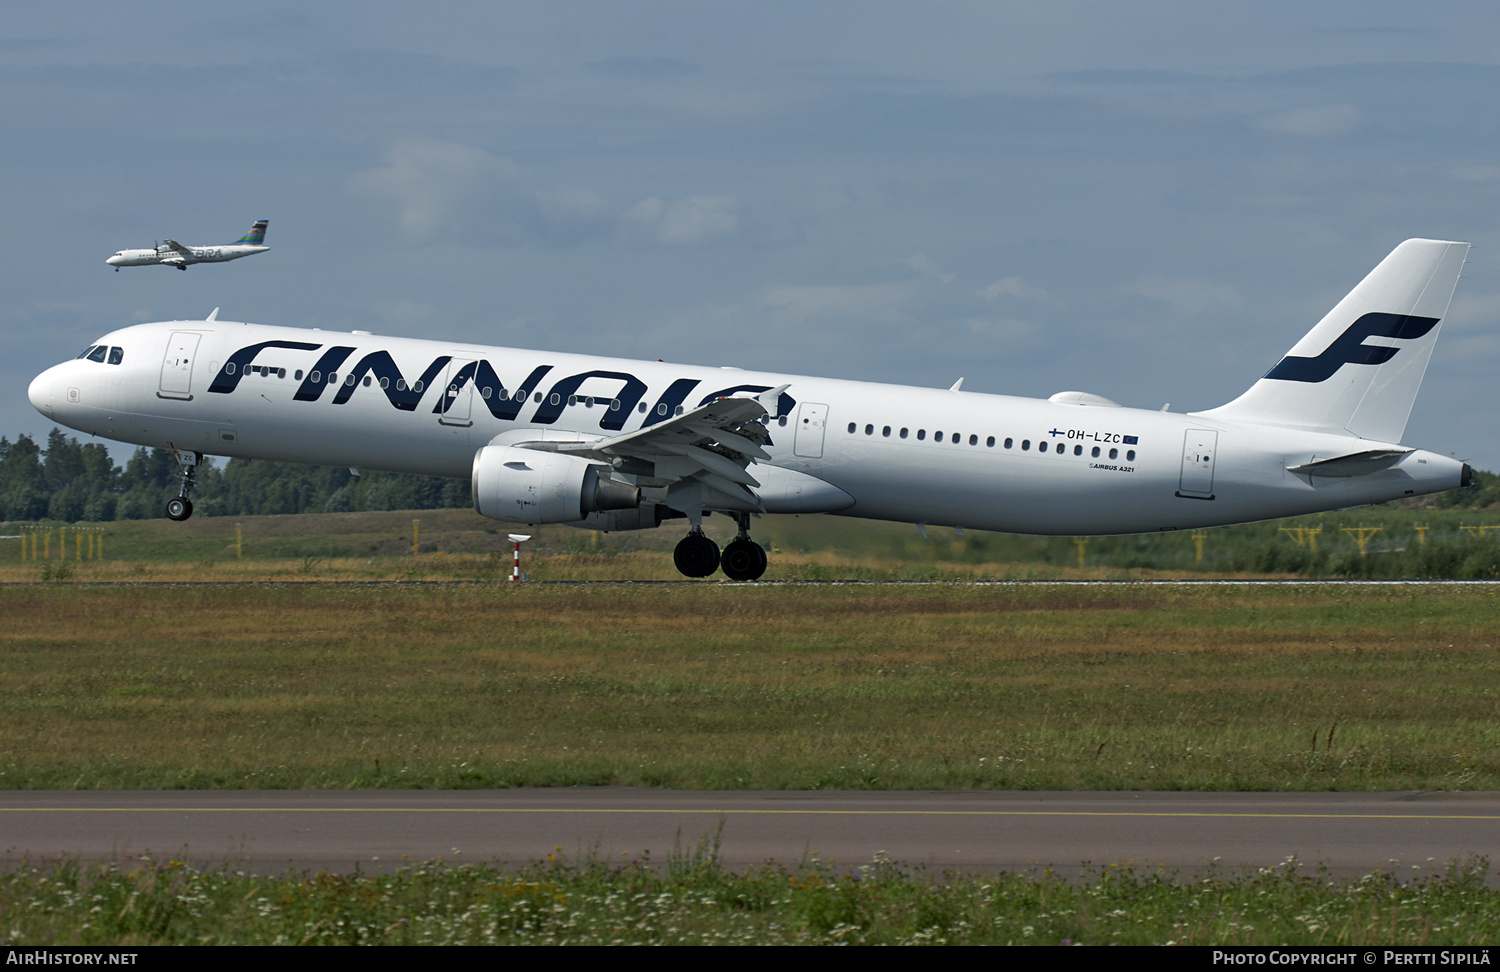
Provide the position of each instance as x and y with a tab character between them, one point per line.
180	507
742	560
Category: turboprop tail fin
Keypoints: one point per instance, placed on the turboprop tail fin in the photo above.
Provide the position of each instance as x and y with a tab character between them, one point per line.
1357	372
257	234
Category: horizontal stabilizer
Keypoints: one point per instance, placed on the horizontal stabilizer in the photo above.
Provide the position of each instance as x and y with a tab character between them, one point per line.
1354	464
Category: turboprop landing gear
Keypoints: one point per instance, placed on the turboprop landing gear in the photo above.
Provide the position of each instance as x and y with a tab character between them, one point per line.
696	555
743	559
179	507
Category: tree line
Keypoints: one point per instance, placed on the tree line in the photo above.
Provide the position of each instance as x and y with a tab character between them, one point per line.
75	482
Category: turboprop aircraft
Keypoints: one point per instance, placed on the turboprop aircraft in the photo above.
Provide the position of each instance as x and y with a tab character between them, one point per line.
170	253
612	444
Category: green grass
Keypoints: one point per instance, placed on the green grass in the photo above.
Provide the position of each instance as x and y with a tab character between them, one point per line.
695	901
459	544
710	686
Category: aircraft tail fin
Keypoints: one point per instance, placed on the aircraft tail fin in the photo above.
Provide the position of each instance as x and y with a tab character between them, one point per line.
1357	372
257	234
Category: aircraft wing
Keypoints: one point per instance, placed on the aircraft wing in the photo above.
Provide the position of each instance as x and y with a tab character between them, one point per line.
174	246
712	445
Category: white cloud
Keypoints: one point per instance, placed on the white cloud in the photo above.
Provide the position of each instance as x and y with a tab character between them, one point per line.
1324	122
1013	333
1015	286
803	302
928	267
684	222
450	189
1187	295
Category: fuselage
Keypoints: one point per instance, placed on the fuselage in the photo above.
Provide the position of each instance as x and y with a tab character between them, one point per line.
188	255
921	455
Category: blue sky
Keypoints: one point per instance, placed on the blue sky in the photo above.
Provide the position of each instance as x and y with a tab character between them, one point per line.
1147	201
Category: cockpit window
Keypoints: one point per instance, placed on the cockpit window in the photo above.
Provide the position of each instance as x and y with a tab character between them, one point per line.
84	353
98	353
116	355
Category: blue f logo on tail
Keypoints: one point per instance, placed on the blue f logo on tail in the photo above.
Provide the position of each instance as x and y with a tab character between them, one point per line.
1350	348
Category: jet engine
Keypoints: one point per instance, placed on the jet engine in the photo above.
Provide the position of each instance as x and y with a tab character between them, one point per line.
529	486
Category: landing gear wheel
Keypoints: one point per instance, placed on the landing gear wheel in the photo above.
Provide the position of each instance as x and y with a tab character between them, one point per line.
744	560
179	507
696	555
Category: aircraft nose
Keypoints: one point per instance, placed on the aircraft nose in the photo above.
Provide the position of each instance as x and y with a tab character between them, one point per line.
40	393
114	260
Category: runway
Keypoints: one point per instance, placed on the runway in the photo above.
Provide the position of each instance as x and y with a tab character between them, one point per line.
1351	834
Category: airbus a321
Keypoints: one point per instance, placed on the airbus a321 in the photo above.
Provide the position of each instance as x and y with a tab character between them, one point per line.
612	444
170	253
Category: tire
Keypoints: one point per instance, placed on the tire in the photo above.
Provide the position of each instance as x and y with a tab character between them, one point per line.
179	508
696	556
743	560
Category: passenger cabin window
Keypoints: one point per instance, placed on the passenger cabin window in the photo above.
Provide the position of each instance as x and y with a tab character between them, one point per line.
1130	456
921	434
1008	443
851	428
990	442
886	431
1025	445
1114	453
903	433
974	440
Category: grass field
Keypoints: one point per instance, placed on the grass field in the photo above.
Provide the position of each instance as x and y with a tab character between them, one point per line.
695	902
459	544
714	686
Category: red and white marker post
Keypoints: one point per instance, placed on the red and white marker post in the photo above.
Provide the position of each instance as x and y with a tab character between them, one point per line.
515	571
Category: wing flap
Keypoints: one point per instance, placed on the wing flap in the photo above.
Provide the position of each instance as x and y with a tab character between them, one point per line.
702	455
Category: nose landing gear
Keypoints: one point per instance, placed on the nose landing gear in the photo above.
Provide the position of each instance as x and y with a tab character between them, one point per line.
179	507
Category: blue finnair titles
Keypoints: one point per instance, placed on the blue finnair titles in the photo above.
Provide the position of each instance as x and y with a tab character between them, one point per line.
613	444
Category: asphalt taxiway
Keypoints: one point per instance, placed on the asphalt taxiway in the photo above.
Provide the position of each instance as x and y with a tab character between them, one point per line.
342	831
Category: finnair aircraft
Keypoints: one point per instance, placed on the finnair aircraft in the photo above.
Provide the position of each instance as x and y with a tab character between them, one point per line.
170	253
612	444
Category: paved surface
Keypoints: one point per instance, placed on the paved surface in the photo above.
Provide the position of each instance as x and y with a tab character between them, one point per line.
1411	834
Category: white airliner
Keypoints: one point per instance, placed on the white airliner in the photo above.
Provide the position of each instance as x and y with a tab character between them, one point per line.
612	444
170	253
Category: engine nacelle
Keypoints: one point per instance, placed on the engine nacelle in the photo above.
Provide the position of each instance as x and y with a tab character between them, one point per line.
647	516
530	486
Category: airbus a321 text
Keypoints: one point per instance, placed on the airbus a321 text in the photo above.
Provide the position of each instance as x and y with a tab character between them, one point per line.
612	444
170	253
